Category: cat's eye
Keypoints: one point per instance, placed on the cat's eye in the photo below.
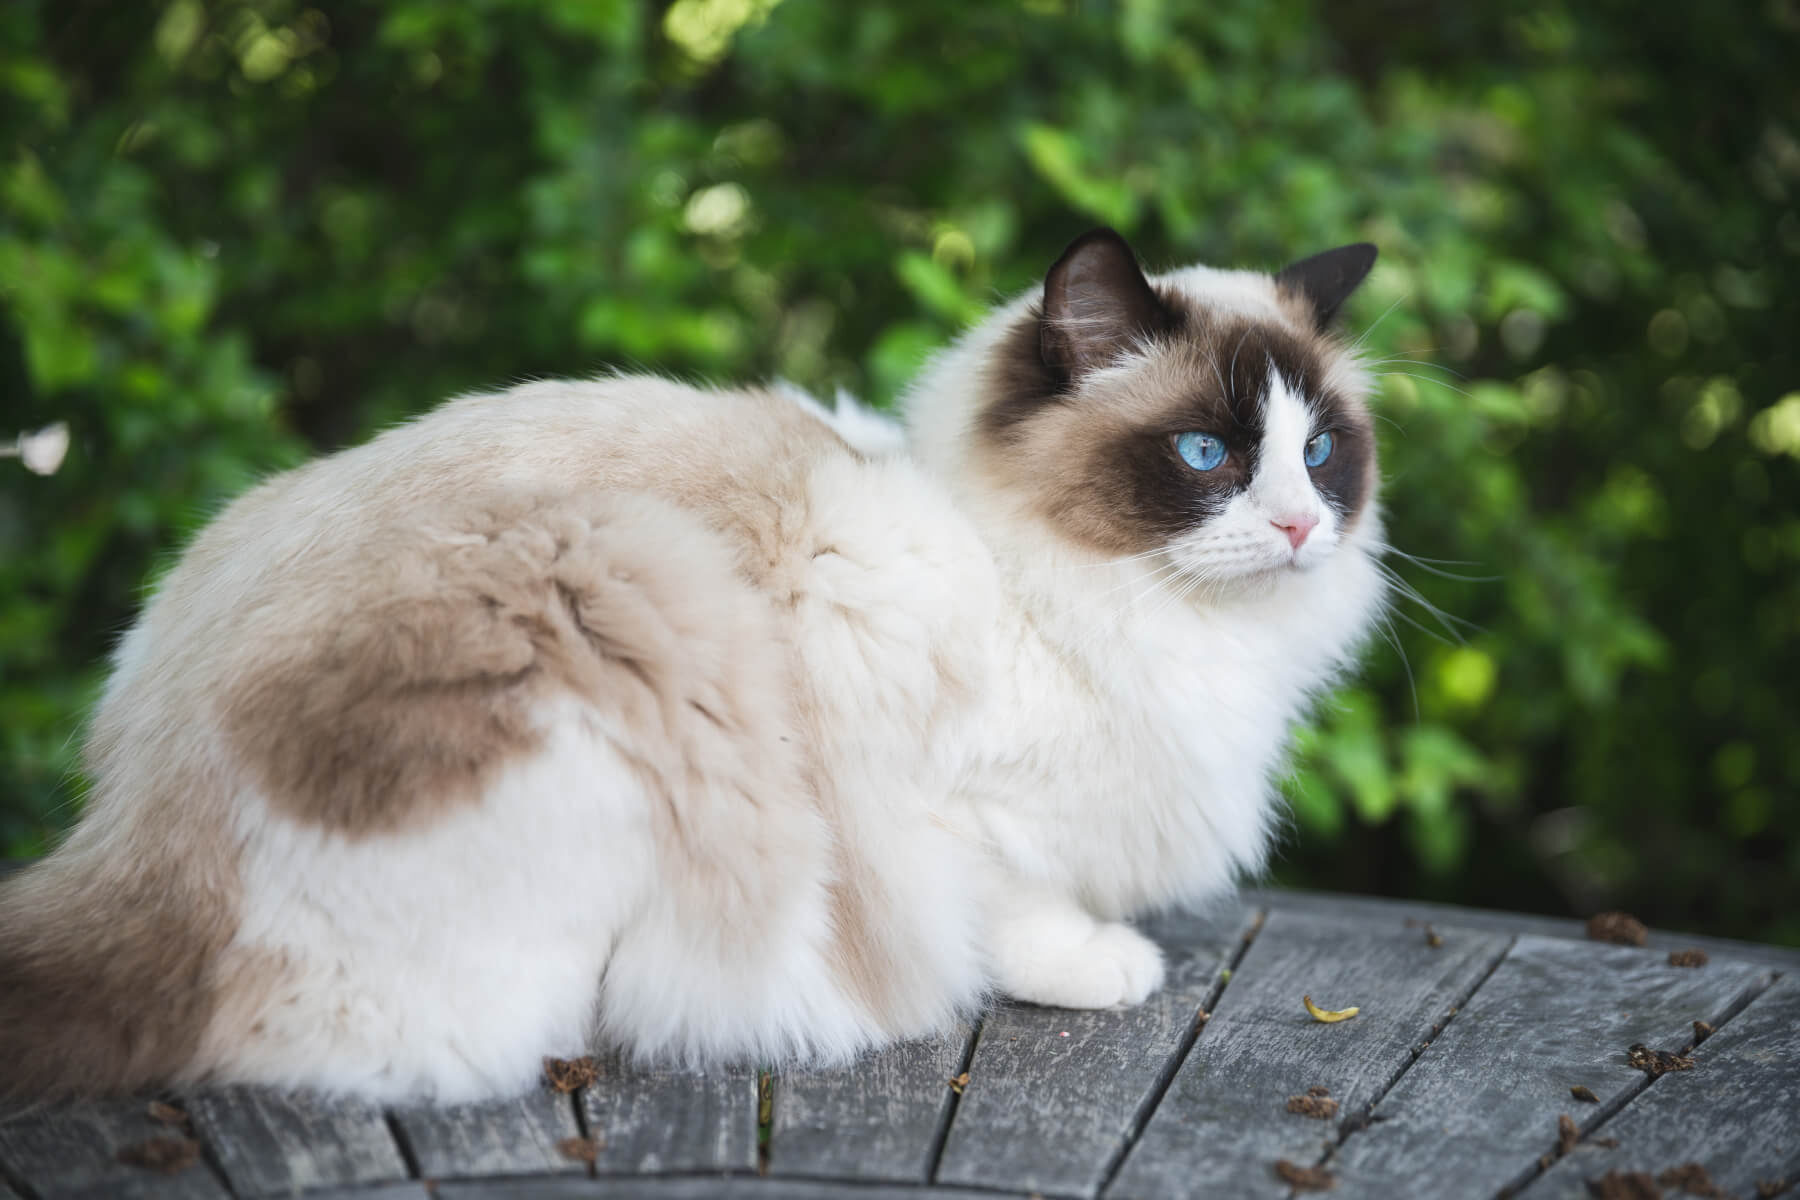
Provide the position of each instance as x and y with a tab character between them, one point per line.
1201	451
1318	450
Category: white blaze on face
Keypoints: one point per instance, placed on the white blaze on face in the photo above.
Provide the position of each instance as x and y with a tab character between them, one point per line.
1282	492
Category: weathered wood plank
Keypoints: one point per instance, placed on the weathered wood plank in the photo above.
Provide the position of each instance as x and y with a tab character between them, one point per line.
1381	909
1055	1095
412	1189
1225	1123
1482	1106
877	1119
715	1187
1734	1113
503	1137
275	1144
648	1122
71	1150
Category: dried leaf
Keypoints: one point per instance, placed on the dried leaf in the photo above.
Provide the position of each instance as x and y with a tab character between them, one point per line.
1582	1092
1693	1179
959	1082
1702	1031
579	1149
169	1155
167	1114
1318	1089
1305	1179
1329	1015
1321	1108
1688	958
1622	928
571	1074
1656	1063
1567	1133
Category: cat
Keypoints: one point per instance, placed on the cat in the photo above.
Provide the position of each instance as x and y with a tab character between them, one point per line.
716	725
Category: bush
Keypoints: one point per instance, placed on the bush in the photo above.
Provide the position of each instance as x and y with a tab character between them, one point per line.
235	233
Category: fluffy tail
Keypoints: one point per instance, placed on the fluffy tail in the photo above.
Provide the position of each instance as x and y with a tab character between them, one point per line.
103	982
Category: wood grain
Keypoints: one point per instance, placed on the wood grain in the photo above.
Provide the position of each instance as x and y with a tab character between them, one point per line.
1734	1113
273	1144
1224	1123
68	1152
503	1137
649	1122
1054	1095
1482	1105
877	1119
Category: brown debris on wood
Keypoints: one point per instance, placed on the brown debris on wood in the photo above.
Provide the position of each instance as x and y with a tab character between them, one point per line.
1688	958
1624	1185
1318	1089
1702	1031
1621	928
1305	1179
167	1114
571	1074
579	1149
1768	1188
1693	1179
169	1155
1433	938
1317	1103
959	1082
1584	1093
1656	1063
1568	1134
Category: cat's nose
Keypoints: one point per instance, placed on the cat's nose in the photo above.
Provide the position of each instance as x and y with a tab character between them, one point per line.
1296	526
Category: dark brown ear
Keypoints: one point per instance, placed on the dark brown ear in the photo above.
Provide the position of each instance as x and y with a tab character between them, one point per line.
1096	303
1326	280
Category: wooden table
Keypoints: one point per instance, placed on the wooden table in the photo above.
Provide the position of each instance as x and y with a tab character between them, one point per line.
1451	1082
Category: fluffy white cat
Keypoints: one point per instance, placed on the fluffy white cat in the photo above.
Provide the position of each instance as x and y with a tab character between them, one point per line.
713	724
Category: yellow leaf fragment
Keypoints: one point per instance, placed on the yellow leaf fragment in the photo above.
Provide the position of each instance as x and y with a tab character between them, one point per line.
1328	1015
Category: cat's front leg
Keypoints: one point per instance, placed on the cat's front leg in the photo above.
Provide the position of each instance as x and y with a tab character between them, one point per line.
1047	950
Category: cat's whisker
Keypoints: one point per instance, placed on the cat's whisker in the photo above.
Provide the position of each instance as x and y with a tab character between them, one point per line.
1425	379
1376	324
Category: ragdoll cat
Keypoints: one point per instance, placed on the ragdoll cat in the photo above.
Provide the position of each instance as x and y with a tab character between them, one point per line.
708	723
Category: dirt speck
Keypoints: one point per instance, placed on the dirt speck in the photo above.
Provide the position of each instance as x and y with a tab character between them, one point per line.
571	1074
1584	1093
1568	1134
1656	1063
169	1155
1702	1031
1622	928
1304	1179
580	1149
1321	1108
1687	958
959	1082
1693	1179
1624	1185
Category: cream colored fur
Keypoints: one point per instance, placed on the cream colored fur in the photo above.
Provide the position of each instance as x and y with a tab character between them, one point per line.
669	715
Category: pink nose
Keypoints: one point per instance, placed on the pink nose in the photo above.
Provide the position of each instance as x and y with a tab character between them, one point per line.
1296	527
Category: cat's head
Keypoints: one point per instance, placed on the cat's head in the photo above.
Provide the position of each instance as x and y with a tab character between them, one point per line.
1210	415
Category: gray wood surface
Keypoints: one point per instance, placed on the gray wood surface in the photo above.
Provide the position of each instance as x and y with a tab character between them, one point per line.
1055	1095
505	1137
70	1151
882	1118
274	1144
715	1187
1481	1106
663	1121
1737	1113
1224	1123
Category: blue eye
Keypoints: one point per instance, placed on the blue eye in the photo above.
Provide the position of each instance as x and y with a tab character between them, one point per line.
1318	450
1201	451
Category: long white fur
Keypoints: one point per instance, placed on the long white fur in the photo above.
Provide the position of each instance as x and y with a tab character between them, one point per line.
1125	722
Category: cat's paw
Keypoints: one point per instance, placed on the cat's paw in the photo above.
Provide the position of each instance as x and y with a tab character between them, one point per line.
1114	965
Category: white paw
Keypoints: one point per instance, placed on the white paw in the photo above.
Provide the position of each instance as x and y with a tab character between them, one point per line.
1115	965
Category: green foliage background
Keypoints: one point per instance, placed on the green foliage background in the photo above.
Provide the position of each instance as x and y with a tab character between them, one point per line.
234	232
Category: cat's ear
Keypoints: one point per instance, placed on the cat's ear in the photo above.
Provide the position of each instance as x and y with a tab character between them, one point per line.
1326	280
1096	303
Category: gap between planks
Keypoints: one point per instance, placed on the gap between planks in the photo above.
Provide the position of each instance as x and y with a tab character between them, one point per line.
942	1135
1608	1111
1166	1078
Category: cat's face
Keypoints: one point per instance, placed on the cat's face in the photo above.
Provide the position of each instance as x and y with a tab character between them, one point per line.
1209	416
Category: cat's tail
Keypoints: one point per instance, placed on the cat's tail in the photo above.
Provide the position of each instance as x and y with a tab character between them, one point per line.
104	984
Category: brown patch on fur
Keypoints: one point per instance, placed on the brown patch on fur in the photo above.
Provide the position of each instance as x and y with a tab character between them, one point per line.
106	978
